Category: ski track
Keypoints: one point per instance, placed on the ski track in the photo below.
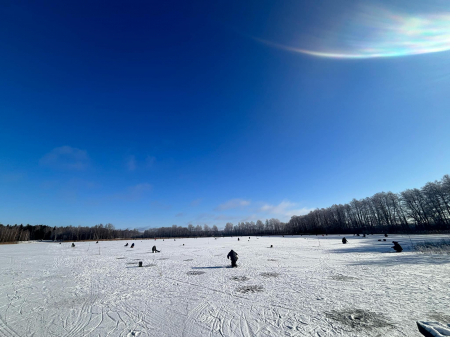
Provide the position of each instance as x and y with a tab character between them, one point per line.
55	290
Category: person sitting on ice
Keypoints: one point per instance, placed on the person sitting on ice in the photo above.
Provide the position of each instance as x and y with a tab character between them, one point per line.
126	244
397	247
234	257
344	240
154	250
73	245
132	245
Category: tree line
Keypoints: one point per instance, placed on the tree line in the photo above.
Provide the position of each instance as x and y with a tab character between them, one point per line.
414	210
14	233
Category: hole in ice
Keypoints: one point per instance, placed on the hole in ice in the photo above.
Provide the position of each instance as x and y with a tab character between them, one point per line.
272	260
250	289
269	274
359	319
440	317
120	258
150	265
239	278
195	272
189	260
164	258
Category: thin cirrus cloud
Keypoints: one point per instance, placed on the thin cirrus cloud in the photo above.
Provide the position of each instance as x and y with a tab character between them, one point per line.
158	205
196	202
233	203
66	157
135	192
132	163
284	208
12	177
373	31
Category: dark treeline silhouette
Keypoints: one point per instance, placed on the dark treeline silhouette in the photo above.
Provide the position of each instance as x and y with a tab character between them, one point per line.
415	210
10	233
270	227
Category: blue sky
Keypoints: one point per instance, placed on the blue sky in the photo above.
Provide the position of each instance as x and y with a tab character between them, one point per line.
150	114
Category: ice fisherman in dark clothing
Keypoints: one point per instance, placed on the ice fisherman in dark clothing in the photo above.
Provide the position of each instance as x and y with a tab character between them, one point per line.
344	240
234	257
397	247
154	250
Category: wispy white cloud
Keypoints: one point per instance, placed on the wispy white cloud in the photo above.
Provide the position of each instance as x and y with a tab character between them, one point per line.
12	177
233	203
155	204
284	209
131	163
224	217
140	188
149	161
196	202
134	192
66	157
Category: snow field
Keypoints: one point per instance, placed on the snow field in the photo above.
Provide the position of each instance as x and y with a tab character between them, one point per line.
303	286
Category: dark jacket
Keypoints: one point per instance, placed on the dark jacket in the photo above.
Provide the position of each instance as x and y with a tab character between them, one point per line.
233	255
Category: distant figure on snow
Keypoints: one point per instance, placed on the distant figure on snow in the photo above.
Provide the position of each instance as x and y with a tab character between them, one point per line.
154	250
126	245
73	245
397	247
344	240
385	235
234	257
238	239
132	245
97	242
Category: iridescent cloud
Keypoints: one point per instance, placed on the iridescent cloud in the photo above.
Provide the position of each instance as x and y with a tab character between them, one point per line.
374	32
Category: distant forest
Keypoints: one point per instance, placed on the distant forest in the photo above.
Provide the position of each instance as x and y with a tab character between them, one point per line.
411	211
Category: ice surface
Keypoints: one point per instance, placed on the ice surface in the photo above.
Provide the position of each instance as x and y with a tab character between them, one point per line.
304	286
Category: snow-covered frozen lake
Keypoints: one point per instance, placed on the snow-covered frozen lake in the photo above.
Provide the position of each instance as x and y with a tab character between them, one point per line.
303	286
